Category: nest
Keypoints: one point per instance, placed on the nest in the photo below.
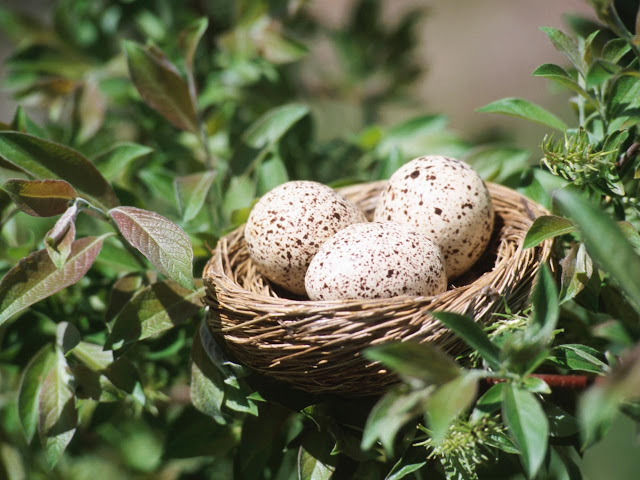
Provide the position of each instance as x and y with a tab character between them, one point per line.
317	346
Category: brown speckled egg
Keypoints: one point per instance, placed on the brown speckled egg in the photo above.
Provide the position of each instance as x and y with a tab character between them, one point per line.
376	260
289	224
448	201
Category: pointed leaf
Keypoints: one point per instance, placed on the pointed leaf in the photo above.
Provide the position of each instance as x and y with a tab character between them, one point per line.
602	236
160	85
43	160
94	356
271	126
472	334
546	308
489	402
565	44
121	292
545	227
154	309
311	468
163	242
207	382
36	277
67	337
527	425
577	269
271	174
449	401
280	49
22	123
189	39
59	239
517	107
615	49
115	161
577	357
191	192
40	198
239	194
558	74
414	362
29	391
57	411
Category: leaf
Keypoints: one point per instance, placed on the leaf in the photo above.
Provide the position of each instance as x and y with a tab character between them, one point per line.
390	414
473	335
189	38
615	49
601	71
115	161
207	391
559	74
497	164
160	85
191	192
489	402
29	390
44	160
527	425
40	198
419	364
57	411
278	48
406	466
517	107
310	468
67	337
596	409
12	462
565	44
36	277
239	194
561	424
449	401
59	239
602	236
121	293
94	356
535	385
22	123
152	310
271	126
578	357
160	240
545	227
631	234
271	174
546	308
92	107
577	269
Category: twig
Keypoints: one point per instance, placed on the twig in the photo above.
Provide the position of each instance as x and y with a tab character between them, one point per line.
631	152
570	382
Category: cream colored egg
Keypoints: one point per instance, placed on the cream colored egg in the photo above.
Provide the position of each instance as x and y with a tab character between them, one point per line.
448	201
288	225
376	260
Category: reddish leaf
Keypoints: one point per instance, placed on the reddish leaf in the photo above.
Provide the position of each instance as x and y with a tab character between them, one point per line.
189	39
43	159
163	242
58	240
36	277
40	198
161	86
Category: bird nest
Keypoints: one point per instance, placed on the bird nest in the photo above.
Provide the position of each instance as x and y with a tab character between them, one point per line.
317	346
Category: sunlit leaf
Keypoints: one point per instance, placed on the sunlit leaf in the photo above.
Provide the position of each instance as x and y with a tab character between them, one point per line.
36	277
527	425
94	356
44	160
311	468
164	243
517	107
160	85
40	198
577	269
154	309
545	227
29	390
565	44
449	401
191	192
270	127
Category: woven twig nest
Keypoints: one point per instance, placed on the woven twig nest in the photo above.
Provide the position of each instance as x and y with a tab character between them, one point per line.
317	346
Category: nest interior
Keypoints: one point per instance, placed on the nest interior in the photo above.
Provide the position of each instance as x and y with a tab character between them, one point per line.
317	346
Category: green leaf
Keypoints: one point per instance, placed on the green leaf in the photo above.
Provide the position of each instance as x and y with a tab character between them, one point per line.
559	74
489	402
577	357
59	239
152	310
160	85
406	466
517	107
29	390
565	44
631	234
278	48
40	198
596	409
191	192
449	401
561	424
36	277
121	293
577	270
207	382
239	194
160	240
44	160
469	331
271	174
94	356
602	236
601	71
270	127
189	38
419	364
527	425
546	308
545	227
12	462
22	123
535	385
615	49
390	414
497	164
67	337
311	468
57	411
114	162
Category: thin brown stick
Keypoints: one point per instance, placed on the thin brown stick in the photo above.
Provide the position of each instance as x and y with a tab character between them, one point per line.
557	381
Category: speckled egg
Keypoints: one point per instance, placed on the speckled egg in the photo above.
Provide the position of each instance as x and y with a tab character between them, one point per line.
288	225
448	201
376	260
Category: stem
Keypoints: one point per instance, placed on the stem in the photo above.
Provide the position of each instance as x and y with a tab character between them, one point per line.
571	382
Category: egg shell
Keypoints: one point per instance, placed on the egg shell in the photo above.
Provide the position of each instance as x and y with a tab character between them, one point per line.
376	260
448	201
288	225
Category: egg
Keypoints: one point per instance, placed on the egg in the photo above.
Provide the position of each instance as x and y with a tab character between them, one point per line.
376	260
447	200
287	226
